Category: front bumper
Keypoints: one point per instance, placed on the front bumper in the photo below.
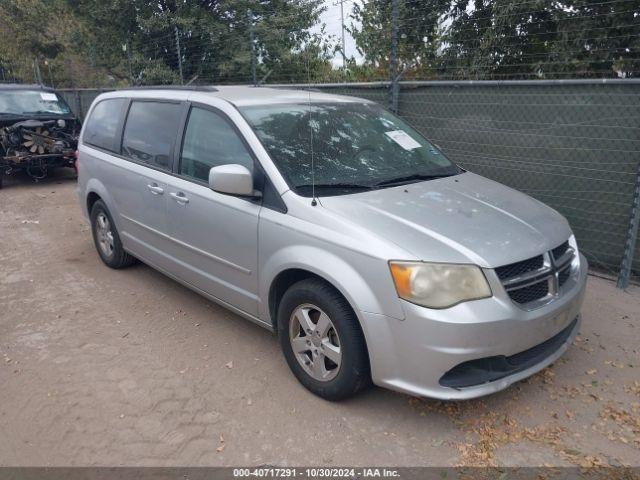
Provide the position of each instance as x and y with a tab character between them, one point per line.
413	354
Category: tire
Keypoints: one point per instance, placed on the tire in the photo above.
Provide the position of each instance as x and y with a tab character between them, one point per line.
310	299
106	238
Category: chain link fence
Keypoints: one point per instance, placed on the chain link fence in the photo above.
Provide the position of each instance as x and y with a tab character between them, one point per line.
574	145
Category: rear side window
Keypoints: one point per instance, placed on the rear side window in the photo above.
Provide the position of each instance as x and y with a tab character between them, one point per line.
150	132
102	126
209	141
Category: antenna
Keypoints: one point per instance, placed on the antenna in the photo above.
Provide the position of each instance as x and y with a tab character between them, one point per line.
313	173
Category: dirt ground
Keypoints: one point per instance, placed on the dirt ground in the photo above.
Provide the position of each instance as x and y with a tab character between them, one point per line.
104	367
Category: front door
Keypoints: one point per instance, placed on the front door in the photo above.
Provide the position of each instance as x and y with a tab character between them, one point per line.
215	236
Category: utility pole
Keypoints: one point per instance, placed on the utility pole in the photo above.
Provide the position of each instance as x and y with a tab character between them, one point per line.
179	55
253	48
393	61
344	53
126	47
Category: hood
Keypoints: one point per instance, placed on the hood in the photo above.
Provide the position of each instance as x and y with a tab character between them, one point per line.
461	219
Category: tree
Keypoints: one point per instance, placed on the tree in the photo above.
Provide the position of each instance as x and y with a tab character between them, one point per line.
503	39
419	35
116	42
498	39
598	39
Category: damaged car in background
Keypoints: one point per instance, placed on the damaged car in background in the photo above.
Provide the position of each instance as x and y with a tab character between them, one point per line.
38	131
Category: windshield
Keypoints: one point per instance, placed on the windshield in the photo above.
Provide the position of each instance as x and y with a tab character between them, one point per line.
354	146
32	102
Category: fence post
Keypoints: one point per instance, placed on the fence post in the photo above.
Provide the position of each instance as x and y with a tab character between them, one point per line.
179	55
393	60
36	67
253	48
79	112
632	236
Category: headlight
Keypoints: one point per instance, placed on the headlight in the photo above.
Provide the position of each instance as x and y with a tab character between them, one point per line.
572	243
439	285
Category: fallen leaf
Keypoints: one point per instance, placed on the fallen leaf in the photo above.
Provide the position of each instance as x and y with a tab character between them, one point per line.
222	444
571	451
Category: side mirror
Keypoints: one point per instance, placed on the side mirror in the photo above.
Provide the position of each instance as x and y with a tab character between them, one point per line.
232	179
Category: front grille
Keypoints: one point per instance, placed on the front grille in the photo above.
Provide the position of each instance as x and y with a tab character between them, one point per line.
519	268
538	278
559	251
532	292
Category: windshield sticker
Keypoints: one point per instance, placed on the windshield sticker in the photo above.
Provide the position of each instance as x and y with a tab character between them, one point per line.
403	139
48	97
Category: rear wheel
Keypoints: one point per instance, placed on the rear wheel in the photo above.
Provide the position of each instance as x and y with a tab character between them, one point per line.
322	340
106	238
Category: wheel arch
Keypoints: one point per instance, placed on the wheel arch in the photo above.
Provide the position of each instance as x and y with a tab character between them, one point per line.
95	191
92	198
294	263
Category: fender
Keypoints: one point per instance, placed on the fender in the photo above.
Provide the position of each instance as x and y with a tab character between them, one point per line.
96	186
342	275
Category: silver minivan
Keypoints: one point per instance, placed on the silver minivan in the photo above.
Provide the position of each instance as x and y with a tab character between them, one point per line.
334	223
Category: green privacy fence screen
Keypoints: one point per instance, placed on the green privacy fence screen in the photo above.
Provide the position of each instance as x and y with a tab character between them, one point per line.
574	145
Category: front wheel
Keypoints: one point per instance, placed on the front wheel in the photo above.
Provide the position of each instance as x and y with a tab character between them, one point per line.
322	340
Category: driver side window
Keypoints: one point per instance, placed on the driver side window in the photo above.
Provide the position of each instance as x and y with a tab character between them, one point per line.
209	141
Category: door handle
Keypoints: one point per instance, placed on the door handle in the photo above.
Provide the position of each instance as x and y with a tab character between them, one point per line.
179	197
155	189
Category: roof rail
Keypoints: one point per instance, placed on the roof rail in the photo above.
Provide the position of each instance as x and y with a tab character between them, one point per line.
198	88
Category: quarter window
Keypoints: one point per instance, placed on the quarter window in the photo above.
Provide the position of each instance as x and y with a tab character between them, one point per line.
150	132
210	141
101	128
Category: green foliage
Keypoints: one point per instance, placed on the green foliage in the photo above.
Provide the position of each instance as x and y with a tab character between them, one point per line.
106	43
418	35
120	42
480	39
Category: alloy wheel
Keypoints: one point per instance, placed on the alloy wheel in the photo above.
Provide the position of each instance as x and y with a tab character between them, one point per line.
104	234
315	342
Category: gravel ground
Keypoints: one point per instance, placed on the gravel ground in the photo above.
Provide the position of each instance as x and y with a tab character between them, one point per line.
104	367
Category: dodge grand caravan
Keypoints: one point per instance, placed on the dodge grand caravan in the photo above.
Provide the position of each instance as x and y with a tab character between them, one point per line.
334	223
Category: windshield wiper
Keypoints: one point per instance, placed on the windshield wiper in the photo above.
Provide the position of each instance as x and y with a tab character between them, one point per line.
411	178
43	112
338	186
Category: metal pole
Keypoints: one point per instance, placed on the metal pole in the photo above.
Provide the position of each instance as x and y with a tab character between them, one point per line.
37	71
127	47
79	111
632	236
253	48
48	64
344	54
393	61
179	56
